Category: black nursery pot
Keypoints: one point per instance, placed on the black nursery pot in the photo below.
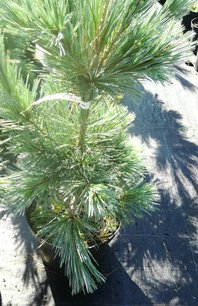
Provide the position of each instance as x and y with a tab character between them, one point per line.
51	259
187	20
194	26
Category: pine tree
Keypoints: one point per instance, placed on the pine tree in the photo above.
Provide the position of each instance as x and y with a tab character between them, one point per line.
76	168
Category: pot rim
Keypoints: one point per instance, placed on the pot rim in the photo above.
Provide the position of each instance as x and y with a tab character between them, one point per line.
192	23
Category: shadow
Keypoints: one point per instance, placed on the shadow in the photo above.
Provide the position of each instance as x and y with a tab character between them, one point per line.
185	83
27	268
183	75
175	155
158	250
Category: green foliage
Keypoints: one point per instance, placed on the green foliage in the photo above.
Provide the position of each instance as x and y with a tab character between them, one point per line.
75	167
102	45
178	8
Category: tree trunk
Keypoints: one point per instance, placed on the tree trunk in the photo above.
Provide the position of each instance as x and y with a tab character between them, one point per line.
84	114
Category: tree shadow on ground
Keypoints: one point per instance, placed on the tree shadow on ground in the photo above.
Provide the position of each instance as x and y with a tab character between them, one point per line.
157	250
184	75
175	153
29	269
